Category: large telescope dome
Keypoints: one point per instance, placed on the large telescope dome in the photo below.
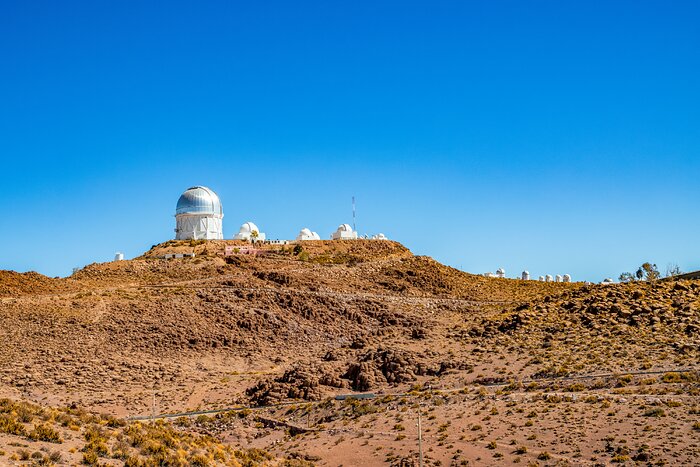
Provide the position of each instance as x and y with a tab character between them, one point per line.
199	200
198	215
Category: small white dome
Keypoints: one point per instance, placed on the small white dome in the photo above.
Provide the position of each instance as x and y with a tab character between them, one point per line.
344	228
249	227
307	234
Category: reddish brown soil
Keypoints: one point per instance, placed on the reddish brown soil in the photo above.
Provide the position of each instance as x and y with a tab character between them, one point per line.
501	368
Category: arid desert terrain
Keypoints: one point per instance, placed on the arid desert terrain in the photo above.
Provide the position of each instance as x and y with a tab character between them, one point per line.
328	353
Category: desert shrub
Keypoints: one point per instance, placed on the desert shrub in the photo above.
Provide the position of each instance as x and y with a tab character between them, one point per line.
64	419
11	426
675	377
671	377
252	456
98	447
183	422
24	414
90	458
576	387
199	460
544	456
655	412
114	422
45	433
153	448
624	380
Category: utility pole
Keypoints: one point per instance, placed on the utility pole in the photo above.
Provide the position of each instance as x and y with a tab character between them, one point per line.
420	438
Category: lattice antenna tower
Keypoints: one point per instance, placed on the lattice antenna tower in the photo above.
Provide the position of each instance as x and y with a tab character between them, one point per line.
354	228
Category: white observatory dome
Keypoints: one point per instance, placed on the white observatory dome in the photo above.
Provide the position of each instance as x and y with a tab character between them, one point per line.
198	215
249	227
246	232
199	200
344	232
307	234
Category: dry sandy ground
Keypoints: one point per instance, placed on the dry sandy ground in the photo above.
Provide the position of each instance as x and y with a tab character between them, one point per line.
502	371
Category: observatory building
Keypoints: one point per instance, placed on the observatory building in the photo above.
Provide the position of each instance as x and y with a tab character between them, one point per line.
198	215
248	232
344	232
307	234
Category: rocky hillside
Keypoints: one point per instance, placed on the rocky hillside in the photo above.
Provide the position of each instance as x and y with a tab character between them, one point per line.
304	323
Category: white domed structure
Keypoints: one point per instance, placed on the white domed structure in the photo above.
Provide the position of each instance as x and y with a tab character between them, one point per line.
379	236
526	276
198	215
248	232
306	235
501	273
548	278
567	278
344	232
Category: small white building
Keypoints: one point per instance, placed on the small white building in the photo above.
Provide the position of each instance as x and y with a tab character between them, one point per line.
558	278
567	278
344	232
548	278
277	241
501	273
306	235
525	276
249	232
119	256
541	279
379	236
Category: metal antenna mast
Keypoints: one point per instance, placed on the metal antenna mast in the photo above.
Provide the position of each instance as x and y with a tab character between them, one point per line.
354	228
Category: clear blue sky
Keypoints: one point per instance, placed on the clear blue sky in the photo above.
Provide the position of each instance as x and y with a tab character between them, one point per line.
561	137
